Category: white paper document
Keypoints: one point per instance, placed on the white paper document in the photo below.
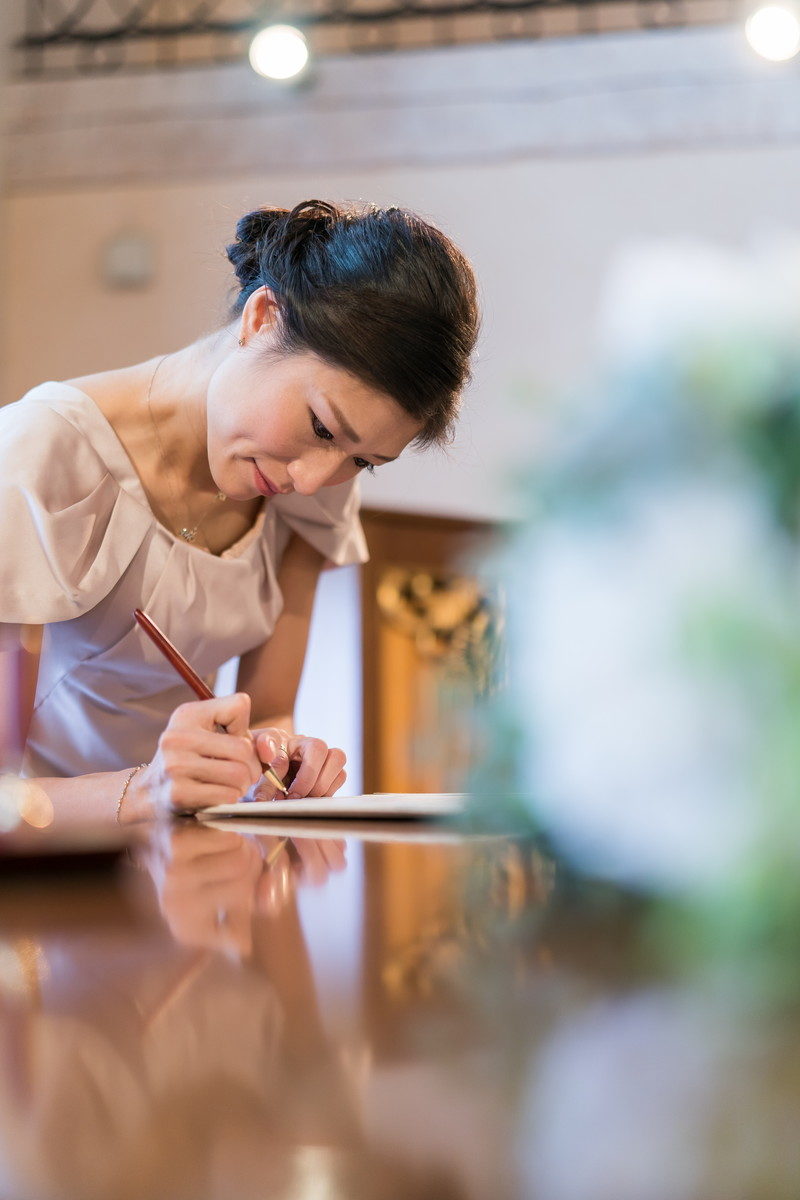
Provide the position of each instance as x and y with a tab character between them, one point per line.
389	806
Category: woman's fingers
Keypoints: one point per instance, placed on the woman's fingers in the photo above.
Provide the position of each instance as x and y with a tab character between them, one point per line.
191	763
337	783
318	767
272	748
188	795
308	765
231	711
196	765
191	783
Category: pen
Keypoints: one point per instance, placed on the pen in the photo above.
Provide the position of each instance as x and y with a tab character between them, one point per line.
190	676
283	844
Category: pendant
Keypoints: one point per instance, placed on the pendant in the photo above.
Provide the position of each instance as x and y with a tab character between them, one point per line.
188	535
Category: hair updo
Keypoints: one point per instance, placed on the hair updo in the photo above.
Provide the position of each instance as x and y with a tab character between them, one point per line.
377	292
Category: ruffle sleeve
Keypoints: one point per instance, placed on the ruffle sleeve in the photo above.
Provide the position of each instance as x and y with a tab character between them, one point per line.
328	521
69	531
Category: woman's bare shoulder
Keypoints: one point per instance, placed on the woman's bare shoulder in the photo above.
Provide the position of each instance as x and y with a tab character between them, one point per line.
114	392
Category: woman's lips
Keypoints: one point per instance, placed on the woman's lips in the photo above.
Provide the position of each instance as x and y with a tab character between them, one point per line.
263	485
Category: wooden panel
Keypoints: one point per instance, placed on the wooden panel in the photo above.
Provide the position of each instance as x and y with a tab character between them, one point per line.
413	739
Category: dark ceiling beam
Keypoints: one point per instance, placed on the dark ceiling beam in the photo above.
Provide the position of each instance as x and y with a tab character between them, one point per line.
56	27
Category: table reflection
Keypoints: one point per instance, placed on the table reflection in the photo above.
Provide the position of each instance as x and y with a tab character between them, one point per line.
363	1013
186	1048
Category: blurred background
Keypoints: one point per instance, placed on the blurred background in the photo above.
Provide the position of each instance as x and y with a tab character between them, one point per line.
544	137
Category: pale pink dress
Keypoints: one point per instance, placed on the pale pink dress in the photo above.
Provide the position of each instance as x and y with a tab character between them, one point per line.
82	548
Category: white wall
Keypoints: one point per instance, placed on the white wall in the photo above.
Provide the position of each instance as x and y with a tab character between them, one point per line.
329	702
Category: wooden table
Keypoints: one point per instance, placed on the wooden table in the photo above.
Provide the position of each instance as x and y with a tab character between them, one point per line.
367	1014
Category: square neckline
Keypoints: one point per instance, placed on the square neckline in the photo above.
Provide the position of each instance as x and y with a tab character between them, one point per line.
136	488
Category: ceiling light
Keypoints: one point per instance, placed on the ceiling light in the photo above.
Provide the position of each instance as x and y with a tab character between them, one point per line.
774	32
279	52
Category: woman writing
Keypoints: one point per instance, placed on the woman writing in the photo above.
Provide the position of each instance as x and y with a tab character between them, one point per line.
209	486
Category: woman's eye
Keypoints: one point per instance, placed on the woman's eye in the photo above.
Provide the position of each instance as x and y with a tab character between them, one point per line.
320	430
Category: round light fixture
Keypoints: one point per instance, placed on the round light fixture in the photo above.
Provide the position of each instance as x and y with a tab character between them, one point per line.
774	32
279	52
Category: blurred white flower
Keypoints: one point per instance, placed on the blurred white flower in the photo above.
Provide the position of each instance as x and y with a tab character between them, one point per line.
637	765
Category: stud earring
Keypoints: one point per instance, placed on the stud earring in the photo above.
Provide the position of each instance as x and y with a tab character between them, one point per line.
241	341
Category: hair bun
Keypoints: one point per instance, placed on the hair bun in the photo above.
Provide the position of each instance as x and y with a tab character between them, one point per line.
284	234
252	230
317	216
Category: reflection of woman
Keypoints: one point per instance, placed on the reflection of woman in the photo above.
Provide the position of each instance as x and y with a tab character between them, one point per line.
145	1068
213	883
209	486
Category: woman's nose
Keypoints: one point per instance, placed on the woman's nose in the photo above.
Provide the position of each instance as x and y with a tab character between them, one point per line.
314	471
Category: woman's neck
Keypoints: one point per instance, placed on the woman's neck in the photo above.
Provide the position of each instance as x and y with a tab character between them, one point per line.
174	403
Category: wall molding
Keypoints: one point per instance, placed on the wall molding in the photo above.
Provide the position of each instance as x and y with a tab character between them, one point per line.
616	93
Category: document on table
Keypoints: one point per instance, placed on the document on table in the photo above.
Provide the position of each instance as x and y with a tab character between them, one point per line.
440	832
391	806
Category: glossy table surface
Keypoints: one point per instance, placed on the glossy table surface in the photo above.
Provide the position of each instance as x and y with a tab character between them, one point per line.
369	1012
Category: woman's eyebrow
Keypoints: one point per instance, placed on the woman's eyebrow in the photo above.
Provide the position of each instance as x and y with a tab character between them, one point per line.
350	433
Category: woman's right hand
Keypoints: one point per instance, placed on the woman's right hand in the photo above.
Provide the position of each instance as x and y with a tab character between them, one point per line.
196	766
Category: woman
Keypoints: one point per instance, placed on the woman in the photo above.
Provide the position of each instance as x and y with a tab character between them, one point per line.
209	486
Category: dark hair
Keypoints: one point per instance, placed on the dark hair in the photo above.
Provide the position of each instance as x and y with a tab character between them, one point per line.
376	291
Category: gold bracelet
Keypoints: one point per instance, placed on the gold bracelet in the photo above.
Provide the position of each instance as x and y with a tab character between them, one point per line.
127	784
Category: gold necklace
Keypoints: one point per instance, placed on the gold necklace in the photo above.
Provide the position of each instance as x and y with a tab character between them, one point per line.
188	531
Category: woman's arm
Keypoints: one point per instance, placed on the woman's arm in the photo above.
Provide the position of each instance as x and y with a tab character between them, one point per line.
270	675
86	798
193	767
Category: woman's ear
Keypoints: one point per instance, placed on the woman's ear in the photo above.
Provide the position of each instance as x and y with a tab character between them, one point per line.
259	315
